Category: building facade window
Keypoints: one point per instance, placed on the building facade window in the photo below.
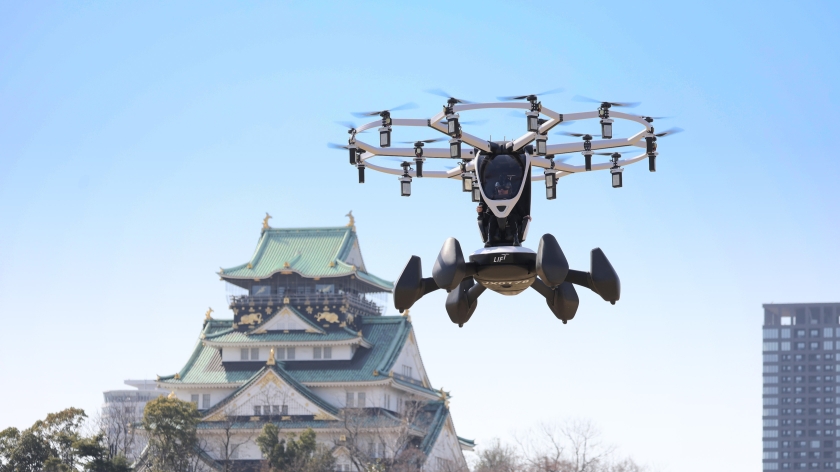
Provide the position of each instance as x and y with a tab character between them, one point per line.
327	352
316	352
194	399
243	354
205	401
255	353
407	371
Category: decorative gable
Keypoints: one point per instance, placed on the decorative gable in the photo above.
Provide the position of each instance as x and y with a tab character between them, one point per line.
288	319
409	364
271	395
354	257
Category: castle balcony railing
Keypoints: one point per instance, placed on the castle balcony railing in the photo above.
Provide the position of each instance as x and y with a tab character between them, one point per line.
356	305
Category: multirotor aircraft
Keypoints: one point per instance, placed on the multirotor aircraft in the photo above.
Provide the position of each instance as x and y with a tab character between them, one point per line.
498	176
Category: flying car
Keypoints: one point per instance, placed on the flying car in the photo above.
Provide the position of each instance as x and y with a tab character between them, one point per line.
498	175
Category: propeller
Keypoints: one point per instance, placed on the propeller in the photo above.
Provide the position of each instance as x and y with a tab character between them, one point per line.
442	93
580	98
669	132
470	122
337	146
531	97
650	119
518	114
351	127
426	141
607	153
404	106
564	158
578	135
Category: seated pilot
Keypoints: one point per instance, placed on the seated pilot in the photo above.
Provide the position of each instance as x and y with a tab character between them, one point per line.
502	191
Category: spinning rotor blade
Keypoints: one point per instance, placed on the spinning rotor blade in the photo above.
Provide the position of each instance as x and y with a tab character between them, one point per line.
349	125
444	94
337	146
580	98
527	97
577	135
404	106
470	122
562	158
646	118
435	140
669	132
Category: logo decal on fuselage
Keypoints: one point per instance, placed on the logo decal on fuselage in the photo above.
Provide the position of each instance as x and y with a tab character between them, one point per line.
511	282
500	258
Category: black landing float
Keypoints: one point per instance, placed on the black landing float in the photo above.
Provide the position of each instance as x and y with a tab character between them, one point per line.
508	270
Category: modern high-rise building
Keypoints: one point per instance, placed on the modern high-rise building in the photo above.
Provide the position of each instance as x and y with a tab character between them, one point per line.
801	364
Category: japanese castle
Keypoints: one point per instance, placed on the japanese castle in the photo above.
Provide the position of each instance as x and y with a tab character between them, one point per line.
307	344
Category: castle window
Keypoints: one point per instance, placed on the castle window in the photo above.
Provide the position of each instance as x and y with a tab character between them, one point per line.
290	353
275	409
316	352
328	352
284	410
257	410
261	290
194	399
355	400
280	353
205	401
255	353
243	354
406	371
325	288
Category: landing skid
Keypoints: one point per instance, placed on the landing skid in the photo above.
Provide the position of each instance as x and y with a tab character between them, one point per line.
508	270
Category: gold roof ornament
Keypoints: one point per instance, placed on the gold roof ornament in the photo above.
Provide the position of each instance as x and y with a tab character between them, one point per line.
177	376
171	395
249	266
265	221
207	314
352	223
270	357
332	263
376	373
286	264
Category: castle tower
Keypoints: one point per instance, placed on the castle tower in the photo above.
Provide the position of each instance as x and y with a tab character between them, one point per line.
308	347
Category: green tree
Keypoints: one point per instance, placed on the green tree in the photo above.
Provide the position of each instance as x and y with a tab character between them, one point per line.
293	454
170	425
56	444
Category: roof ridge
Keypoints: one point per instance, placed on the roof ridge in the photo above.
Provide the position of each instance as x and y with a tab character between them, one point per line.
435	427
394	348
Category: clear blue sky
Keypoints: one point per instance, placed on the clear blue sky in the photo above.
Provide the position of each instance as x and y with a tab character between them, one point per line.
141	144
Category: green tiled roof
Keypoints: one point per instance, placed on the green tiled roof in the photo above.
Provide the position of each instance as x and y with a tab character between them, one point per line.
223	332
386	334
433	427
310	252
